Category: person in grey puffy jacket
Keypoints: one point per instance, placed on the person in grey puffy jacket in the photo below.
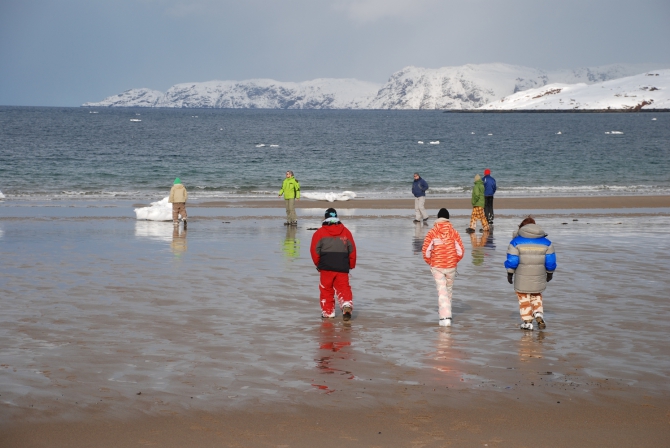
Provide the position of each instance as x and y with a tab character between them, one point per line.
531	262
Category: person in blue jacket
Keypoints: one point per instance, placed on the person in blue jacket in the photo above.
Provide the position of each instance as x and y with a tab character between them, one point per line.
419	187
489	191
530	264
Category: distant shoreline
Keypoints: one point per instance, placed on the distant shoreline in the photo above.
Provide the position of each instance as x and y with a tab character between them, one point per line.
555	111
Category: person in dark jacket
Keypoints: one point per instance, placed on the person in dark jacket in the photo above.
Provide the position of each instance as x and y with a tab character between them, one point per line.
489	191
419	187
530	264
333	252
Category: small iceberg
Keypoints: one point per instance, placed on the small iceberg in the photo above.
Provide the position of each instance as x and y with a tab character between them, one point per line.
157	211
614	132
653	119
490	134
274	146
436	142
260	145
330	197
135	119
472	133
559	133
95	112
420	142
2	196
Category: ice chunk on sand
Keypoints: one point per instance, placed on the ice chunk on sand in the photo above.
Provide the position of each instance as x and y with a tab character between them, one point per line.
330	197
157	211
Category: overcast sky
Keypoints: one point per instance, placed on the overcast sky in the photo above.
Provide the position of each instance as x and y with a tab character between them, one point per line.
66	52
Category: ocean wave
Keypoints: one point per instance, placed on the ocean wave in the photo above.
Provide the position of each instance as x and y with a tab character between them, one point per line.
330	197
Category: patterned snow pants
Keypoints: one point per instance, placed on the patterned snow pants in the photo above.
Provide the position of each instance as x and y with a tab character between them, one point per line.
444	281
478	214
178	208
334	285
529	305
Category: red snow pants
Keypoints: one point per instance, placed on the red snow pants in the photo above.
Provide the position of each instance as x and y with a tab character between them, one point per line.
334	285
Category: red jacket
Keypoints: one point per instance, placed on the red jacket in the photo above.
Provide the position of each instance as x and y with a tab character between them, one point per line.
443	247
333	248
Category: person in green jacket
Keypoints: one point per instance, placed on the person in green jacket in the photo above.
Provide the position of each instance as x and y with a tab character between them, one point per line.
291	191
478	206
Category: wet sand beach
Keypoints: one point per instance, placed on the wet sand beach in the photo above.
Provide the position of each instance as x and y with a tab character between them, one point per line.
116	332
501	203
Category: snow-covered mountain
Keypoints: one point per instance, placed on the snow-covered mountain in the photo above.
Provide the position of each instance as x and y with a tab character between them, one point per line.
252	94
464	87
650	90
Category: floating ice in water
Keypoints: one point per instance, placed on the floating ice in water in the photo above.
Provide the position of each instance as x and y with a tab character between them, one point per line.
135	119
436	142
614	132
490	134
157	211
2	196
472	133
330	197
221	129
653	119
274	146
260	145
95	112
420	142
194	116
138	114
559	133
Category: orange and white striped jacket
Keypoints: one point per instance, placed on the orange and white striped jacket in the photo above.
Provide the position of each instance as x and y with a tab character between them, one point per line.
443	247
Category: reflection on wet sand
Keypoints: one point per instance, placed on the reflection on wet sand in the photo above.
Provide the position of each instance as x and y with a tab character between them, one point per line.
178	244
420	231
291	245
478	243
154	230
446	358
333	341
530	345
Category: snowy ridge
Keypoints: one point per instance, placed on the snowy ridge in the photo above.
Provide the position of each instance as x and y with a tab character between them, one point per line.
650	90
252	94
464	87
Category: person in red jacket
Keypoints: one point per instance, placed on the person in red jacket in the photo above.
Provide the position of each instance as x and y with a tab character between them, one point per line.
442	250
334	253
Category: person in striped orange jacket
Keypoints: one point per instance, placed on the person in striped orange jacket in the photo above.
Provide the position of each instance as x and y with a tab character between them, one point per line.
442	250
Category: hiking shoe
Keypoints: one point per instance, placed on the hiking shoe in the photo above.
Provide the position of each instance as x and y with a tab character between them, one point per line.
469	230
346	313
445	322
527	325
540	321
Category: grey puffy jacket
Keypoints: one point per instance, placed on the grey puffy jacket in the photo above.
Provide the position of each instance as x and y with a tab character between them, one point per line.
530	256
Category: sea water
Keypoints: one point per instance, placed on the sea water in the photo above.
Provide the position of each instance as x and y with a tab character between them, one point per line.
69	153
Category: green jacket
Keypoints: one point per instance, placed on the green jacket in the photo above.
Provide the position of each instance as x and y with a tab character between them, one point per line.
478	194
291	188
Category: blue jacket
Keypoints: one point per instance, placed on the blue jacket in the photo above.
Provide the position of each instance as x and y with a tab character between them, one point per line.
419	187
489	185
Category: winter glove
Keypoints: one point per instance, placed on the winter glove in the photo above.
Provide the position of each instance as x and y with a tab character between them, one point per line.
550	275
509	278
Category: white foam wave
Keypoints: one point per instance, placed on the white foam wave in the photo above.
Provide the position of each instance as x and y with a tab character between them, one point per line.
330	197
157	211
2	196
